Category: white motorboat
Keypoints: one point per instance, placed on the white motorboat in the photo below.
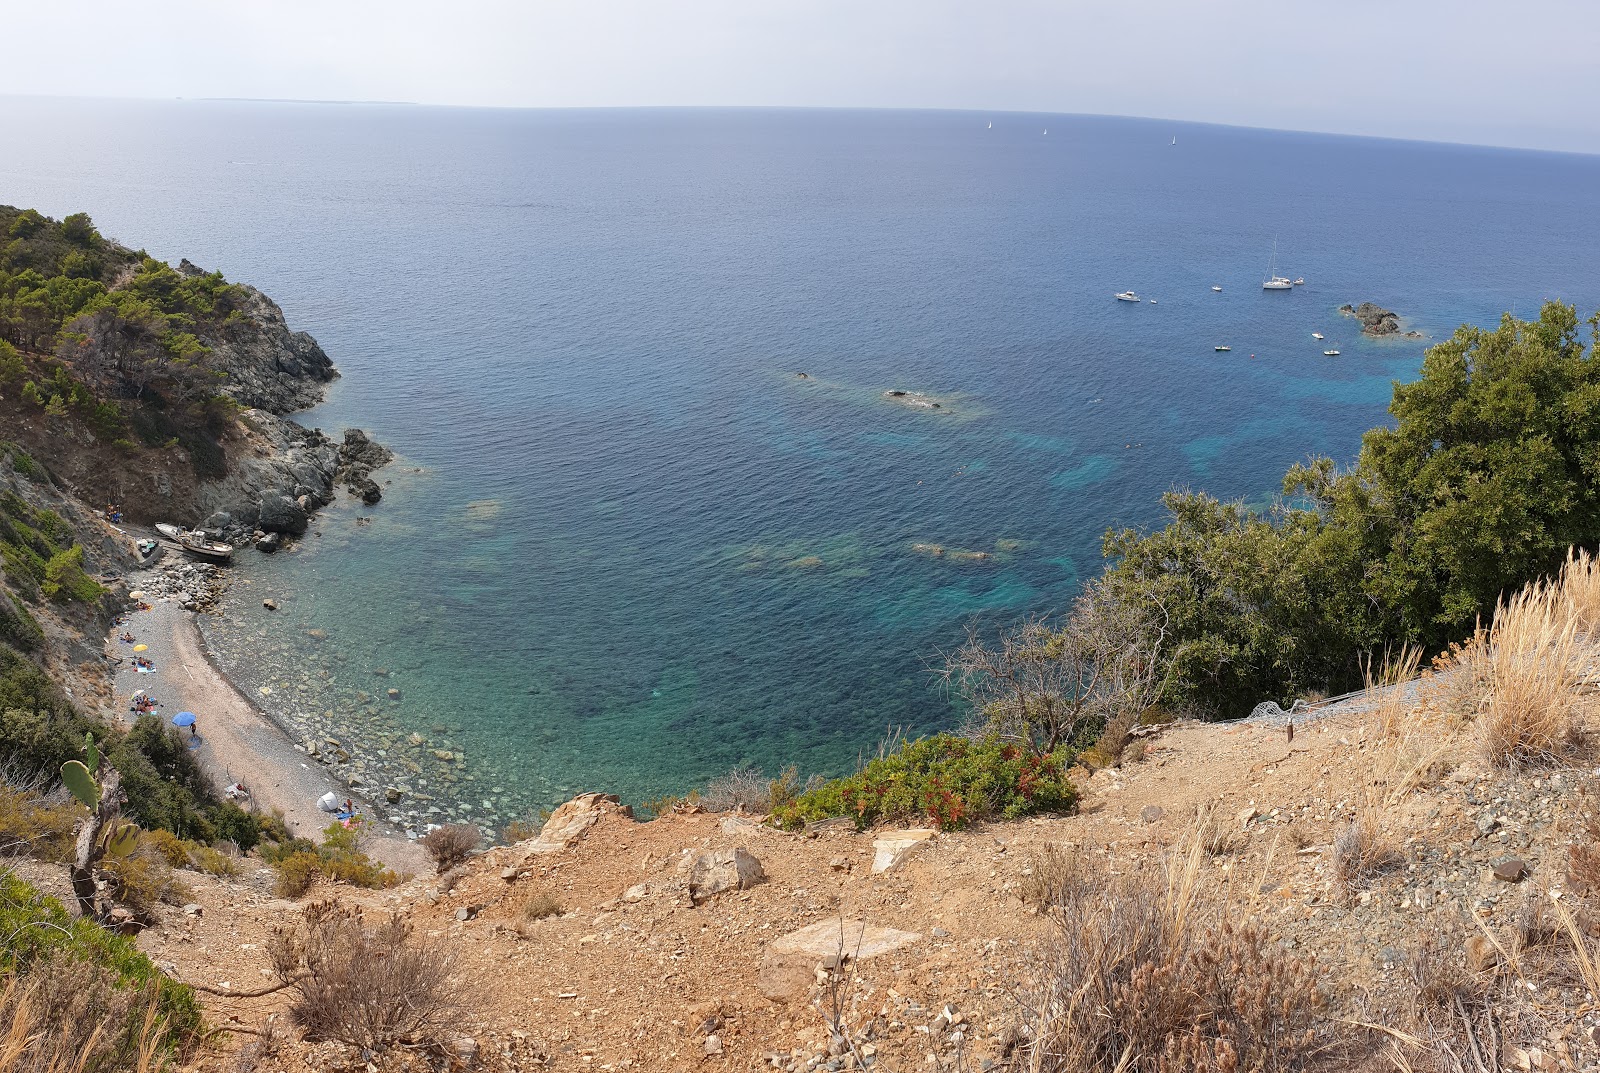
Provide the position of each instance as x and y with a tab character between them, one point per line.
1127	296
1330	353
1216	288
1316	335
1275	282
1300	281
1222	349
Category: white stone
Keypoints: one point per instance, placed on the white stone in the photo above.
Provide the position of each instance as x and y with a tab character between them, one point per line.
894	847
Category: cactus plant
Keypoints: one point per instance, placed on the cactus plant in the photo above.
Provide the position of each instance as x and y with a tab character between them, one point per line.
98	786
82	784
123	840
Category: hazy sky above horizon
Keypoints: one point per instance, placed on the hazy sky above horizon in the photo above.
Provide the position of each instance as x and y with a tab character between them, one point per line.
1452	70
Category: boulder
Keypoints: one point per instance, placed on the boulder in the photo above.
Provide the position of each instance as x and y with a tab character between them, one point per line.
270	543
357	449
572	820
1152	814
894	847
280	514
713	871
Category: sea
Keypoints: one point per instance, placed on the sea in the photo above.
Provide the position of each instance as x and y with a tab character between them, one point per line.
654	515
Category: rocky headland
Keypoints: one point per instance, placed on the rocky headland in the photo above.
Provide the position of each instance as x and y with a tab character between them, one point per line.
1376	321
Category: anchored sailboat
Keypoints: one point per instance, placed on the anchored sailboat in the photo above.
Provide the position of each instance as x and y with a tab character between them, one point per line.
1275	282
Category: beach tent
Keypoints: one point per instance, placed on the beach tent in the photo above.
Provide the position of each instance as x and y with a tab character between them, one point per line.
329	802
141	648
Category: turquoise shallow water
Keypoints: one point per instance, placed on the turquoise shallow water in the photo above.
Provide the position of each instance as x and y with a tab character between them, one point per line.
627	547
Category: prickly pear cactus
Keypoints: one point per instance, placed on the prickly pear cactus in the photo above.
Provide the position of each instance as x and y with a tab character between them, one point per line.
78	780
123	841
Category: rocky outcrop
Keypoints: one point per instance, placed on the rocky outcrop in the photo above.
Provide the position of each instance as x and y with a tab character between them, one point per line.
571	821
280	473
358	457
268	367
1377	321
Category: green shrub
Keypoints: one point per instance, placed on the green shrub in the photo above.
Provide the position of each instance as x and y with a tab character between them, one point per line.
12	368
64	578
37	927
944	780
236	825
31	396
171	848
296	873
18	628
340	858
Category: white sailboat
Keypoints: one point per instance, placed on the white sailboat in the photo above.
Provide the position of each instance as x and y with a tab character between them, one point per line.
1275	282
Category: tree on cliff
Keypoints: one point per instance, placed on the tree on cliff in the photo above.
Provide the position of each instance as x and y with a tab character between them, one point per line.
1491	473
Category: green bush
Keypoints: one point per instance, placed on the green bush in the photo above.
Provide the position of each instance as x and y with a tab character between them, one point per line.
18	628
35	927
236	825
340	858
296	873
944	780
64	578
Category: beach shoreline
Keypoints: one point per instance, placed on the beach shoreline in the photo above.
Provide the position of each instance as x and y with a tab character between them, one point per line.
235	741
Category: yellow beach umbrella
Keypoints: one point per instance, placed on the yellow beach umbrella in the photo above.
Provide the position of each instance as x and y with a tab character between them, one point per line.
141	648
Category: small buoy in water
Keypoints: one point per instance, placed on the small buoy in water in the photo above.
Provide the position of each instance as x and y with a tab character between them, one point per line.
655	693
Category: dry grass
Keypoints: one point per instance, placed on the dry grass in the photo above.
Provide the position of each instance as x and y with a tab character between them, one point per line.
1361	853
1532	662
1583	855
66	1016
370	986
451	844
539	905
1145	978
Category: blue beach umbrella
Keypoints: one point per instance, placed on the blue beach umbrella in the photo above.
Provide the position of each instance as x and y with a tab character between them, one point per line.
183	719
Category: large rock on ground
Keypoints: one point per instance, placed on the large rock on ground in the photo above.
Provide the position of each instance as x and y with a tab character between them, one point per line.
894	847
572	820
280	514
714	871
831	939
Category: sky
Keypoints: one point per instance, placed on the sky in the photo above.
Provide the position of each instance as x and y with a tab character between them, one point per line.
1521	74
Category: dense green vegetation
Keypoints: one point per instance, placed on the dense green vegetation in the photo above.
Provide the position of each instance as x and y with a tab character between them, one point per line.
1491	473
40	935
112	332
1489	476
40	729
946	780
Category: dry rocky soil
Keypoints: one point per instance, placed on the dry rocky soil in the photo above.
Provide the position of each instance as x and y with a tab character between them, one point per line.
645	967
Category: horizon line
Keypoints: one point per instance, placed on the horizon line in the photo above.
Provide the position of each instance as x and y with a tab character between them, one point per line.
325	102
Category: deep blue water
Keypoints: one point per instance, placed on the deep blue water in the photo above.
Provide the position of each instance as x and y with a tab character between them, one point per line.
628	548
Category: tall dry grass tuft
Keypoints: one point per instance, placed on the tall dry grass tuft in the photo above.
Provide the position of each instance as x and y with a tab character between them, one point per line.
1580	587
1533	661
69	1017
1142	978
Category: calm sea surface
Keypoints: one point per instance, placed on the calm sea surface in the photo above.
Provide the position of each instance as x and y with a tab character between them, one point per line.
627	546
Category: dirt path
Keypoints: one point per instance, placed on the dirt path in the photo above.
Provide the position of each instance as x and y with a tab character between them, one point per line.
235	742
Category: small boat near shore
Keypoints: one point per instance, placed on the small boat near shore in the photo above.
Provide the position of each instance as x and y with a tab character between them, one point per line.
1316	335
1330	353
1127	296
1216	288
196	543
1222	349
